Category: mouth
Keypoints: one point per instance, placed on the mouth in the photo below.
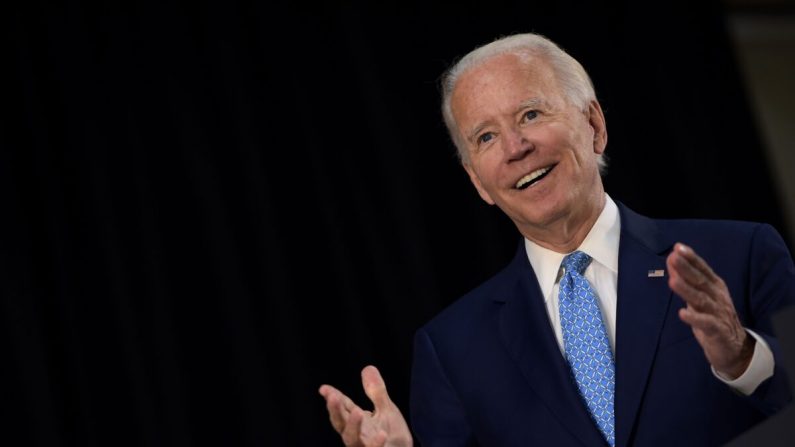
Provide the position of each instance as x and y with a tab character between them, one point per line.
533	177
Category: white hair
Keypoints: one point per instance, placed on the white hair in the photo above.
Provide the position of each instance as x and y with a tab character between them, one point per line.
574	82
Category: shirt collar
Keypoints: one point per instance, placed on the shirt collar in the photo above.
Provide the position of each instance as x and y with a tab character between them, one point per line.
601	244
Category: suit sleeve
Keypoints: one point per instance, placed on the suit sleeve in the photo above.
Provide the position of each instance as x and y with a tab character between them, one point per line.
771	287
437	416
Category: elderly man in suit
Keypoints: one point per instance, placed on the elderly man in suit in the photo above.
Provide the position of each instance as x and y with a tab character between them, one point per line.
607	328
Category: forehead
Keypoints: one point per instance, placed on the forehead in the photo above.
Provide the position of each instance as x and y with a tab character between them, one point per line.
499	84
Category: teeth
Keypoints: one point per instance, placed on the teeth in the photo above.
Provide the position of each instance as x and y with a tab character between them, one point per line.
532	176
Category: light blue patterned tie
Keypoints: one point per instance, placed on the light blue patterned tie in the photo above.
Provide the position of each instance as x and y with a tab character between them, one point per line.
585	343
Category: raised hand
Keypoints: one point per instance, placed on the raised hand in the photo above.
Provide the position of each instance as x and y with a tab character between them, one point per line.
710	312
382	427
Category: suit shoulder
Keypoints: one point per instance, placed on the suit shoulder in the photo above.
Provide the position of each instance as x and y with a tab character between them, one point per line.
718	224
722	241
713	229
477	305
660	234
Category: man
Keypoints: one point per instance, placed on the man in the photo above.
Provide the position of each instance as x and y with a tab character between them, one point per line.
607	328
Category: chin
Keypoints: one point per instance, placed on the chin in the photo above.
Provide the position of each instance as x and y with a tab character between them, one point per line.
539	217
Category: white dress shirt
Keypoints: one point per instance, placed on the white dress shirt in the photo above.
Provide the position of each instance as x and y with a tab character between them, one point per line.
601	244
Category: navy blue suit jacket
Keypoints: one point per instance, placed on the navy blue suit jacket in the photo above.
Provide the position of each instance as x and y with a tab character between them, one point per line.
488	370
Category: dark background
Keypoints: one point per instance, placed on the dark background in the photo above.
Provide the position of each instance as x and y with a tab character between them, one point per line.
209	208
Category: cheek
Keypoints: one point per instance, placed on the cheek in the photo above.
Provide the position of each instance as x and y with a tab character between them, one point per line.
489	167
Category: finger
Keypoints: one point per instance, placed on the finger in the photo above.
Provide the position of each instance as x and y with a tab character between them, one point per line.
701	278
338	405
375	388
691	295
338	415
326	390
346	401
680	264
353	428
697	262
703	322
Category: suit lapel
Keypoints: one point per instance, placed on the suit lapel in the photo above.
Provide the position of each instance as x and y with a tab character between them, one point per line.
642	306
527	333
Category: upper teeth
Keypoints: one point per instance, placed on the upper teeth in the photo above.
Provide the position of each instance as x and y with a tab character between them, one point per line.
532	176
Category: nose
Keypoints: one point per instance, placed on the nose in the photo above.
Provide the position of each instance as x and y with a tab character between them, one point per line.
516	146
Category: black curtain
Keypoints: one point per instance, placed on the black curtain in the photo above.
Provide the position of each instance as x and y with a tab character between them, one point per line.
212	207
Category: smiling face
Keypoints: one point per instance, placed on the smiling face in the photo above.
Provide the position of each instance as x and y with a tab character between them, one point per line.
529	151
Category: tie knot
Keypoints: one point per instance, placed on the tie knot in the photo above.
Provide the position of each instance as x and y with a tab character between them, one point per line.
576	262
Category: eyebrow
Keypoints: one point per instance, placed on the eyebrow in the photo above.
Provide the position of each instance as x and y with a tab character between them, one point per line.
530	103
477	129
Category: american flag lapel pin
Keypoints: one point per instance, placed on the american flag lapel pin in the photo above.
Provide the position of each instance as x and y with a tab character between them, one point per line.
656	273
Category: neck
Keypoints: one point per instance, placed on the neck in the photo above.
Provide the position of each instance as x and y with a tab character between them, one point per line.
567	233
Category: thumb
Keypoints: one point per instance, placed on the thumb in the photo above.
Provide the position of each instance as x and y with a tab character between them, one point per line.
375	388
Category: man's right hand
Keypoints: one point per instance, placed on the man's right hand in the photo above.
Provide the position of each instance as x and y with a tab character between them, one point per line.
382	427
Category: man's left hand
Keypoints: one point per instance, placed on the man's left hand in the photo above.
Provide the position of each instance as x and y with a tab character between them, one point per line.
710	312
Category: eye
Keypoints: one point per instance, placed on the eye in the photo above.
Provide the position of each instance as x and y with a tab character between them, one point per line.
485	137
529	115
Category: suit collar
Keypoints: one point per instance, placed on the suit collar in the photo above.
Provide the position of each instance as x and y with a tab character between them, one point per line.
644	230
642	305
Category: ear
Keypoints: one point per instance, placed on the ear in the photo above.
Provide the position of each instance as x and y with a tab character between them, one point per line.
473	177
596	119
